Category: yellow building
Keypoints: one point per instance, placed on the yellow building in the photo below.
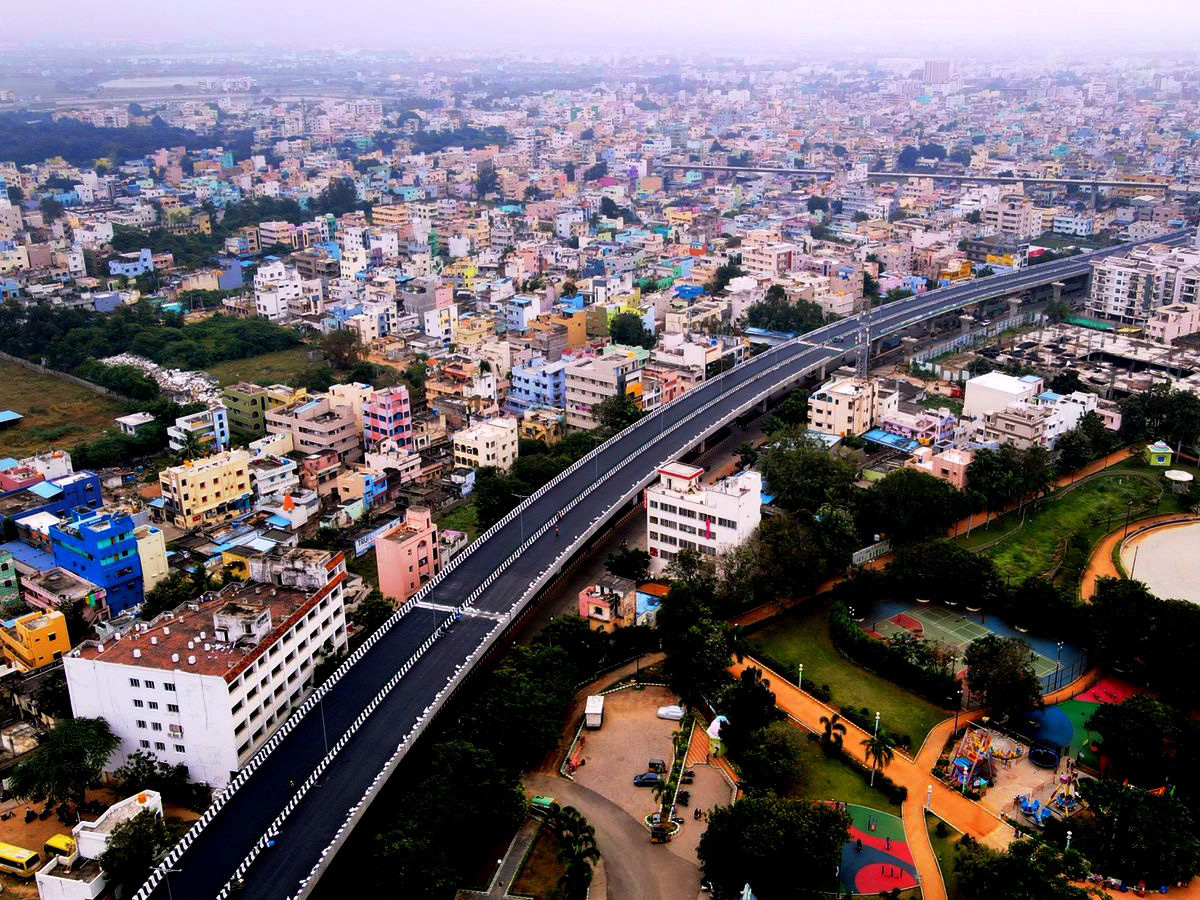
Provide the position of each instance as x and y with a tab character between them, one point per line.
576	324
473	329
35	640
152	551
210	490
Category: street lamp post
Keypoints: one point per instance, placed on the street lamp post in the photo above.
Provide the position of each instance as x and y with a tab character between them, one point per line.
875	761
1128	513
170	895
800	677
957	706
1057	664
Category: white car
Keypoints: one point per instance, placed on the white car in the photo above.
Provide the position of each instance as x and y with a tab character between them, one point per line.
674	713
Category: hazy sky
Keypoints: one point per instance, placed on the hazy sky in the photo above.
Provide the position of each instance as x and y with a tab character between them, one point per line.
888	27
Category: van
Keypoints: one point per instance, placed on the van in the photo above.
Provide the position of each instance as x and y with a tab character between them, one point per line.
656	765
59	845
19	861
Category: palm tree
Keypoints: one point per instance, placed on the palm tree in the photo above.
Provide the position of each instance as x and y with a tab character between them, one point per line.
577	851
834	731
880	750
190	446
737	642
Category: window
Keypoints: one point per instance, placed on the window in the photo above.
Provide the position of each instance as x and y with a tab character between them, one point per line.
179	748
173	707
156	726
133	682
144	744
141	723
150	685
168	685
159	745
138	703
153	704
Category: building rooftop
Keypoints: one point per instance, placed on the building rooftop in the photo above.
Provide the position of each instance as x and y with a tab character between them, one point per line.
188	638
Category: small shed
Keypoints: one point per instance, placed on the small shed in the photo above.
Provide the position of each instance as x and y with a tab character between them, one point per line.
1159	454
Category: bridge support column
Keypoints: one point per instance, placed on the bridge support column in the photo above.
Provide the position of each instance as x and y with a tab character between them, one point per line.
965	323
910	347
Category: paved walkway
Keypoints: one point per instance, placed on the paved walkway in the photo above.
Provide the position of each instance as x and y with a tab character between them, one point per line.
510	866
1101	563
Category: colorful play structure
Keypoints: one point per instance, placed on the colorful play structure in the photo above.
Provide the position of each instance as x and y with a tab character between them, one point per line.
875	857
972	760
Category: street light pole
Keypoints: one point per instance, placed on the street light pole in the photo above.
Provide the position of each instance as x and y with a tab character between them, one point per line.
875	761
1057	664
800	677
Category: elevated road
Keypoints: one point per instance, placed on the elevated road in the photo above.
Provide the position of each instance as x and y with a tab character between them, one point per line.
341	745
936	176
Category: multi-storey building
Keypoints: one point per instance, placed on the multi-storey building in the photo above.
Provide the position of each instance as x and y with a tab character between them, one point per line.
387	415
318	424
34	640
247	406
207	491
152	552
407	556
589	382
9	588
537	385
205	685
203	433
490	443
59	589
101	546
683	513
1130	288
850	405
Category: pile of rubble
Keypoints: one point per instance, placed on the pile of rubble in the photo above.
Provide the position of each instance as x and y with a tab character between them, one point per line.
180	385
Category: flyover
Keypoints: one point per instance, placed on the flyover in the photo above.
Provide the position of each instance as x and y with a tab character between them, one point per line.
341	745
959	178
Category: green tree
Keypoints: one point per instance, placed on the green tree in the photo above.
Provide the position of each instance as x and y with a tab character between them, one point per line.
792	410
775	313
618	411
1058	311
1001	671
749	706
773	759
1147	741
51	209
577	851
486	183
803	474
773	845
1161	412
342	348
747	454
628	562
627	329
372	612
1029	870
879	750
133	848
909	506
66	763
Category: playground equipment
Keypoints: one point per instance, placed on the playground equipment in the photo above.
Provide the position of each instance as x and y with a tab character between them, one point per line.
1008	753
972	766
1035	812
1066	796
1044	757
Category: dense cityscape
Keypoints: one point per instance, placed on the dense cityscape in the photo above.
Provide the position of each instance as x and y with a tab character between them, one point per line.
622	474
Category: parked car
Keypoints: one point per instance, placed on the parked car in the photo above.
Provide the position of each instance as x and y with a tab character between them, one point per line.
657	765
673	713
647	779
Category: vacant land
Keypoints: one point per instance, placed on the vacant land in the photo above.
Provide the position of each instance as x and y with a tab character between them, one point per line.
461	518
1092	509
57	414
539	876
802	636
270	368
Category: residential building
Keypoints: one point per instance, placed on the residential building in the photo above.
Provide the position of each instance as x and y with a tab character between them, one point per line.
247	406
537	385
407	556
996	390
683	513
387	416
203	433
589	382
34	640
1015	215
207	491
609	603
207	684
58	588
152	551
1167	324
949	465
1021	425
490	443
542	425
318	424
848	405
101	547
272	477
1129	289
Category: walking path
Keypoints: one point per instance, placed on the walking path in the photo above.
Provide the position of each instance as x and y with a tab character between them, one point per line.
514	858
1101	563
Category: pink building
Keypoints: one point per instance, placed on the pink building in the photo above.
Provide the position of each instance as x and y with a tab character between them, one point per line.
388	416
407	555
949	465
319	472
609	603
18	478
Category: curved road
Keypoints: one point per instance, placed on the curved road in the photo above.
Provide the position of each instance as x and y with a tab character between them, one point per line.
367	713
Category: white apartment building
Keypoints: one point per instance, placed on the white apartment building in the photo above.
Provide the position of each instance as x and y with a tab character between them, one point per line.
208	683
850	405
1130	288
995	390
490	443
683	513
768	261
276	288
1076	224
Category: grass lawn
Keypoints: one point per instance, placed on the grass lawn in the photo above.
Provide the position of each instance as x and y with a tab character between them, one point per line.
461	518
802	636
365	567
944	850
57	414
270	368
834	779
1092	509
539	876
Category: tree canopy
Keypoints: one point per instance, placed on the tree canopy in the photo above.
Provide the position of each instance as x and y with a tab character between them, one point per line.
1001	671
66	763
627	329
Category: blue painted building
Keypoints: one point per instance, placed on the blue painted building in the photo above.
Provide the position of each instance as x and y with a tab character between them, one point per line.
100	546
538	385
79	489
